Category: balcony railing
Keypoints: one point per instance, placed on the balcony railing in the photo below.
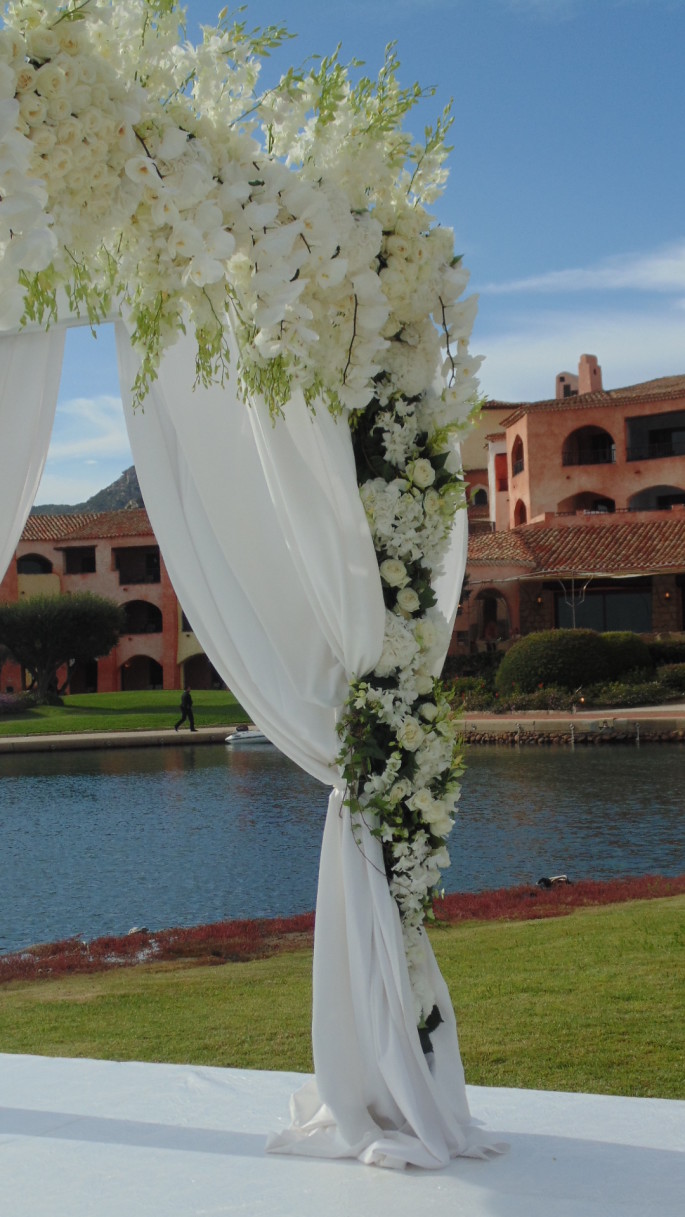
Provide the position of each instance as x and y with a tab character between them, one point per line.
654	452
589	456
517	467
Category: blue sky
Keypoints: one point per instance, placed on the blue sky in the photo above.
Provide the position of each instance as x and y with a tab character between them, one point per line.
566	190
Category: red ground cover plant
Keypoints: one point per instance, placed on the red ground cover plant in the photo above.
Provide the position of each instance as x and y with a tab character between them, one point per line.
230	941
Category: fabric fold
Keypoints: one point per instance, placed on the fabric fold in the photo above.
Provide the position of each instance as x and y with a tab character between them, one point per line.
30	370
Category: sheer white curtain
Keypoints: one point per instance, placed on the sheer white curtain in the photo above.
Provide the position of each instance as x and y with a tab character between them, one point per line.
265	538
264	535
30	370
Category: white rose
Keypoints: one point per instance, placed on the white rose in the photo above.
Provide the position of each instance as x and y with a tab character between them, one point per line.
439	818
32	109
421	473
431	502
26	78
407	600
410	734
399	790
422	801
50	81
423	682
393	572
429	711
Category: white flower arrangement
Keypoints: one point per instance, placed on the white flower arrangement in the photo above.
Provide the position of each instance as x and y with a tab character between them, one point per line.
141	168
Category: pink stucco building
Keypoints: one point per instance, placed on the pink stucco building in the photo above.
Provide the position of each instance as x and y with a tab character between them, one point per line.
578	511
113	554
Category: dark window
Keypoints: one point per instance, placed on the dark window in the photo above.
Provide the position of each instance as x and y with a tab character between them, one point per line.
606	609
656	436
80	561
142	618
517	464
137	564
589	446
34	564
480	498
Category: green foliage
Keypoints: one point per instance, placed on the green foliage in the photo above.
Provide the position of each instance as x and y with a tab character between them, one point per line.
667	650
482	664
46	632
620	693
566	658
672	675
626	652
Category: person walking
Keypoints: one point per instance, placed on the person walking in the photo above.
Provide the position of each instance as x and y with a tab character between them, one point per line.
186	710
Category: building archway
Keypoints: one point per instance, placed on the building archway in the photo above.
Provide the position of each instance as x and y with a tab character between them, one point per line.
587	500
480	498
141	672
83	676
200	673
493	620
656	498
520	513
142	617
33	564
588	446
517	457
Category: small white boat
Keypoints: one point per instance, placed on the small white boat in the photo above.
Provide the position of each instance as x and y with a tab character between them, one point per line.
247	735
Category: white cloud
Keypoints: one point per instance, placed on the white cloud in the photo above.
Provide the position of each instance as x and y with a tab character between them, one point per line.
661	270
89	428
89	449
522	361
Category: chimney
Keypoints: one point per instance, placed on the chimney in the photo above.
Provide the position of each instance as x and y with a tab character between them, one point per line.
589	375
567	385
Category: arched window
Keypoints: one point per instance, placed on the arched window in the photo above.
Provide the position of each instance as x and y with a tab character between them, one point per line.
141	672
33	564
493	619
520	513
588	446
657	498
142	617
587	500
517	463
480	498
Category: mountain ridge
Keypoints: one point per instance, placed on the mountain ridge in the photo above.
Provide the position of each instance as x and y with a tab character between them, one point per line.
119	495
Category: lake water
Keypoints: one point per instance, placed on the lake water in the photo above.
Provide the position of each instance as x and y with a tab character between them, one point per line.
94	843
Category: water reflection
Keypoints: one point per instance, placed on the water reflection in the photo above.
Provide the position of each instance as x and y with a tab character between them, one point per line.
96	842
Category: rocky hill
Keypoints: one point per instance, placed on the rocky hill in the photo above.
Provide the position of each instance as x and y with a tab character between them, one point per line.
125	492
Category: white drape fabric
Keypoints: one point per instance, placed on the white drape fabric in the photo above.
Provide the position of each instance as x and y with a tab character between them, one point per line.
264	535
268	548
30	370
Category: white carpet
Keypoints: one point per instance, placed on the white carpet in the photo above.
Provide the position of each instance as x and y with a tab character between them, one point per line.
103	1139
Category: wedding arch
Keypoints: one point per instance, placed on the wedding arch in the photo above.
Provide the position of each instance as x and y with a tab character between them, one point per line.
293	350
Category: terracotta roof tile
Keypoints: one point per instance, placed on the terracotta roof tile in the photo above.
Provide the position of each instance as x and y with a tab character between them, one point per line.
54	528
612	546
506	547
664	388
132	522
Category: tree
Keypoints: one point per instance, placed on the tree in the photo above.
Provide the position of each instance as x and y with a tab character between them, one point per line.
46	632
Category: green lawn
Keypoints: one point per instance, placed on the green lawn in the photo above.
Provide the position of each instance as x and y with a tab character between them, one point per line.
591	1002
149	710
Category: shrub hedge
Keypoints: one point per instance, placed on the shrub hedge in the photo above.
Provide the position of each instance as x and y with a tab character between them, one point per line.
672	675
667	650
566	658
626	652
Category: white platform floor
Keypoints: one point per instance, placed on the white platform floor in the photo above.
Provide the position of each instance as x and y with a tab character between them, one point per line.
104	1139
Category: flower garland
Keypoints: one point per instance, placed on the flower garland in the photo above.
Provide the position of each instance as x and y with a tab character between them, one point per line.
139	168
